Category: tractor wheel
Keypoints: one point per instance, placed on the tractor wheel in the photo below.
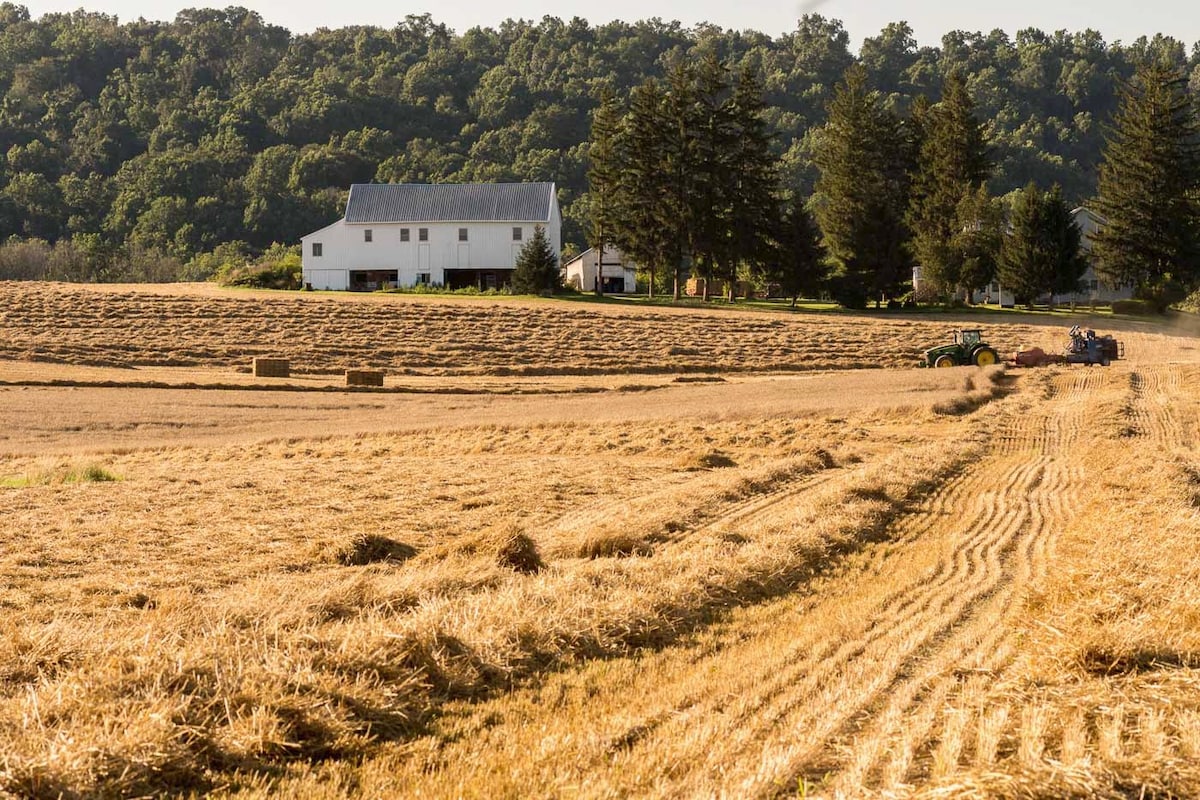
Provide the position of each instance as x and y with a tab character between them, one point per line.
945	360
985	357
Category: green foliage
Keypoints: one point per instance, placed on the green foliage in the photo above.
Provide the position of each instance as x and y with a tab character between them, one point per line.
798	265
1150	187
1041	255
164	140
862	192
977	238
279	268
951	168
1134	307
537	266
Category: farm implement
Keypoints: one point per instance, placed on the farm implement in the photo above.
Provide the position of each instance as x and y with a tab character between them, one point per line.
1082	348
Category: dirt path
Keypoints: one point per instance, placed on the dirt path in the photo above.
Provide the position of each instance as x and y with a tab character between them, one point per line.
848	686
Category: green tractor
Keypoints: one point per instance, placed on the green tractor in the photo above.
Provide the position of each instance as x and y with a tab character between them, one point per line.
968	348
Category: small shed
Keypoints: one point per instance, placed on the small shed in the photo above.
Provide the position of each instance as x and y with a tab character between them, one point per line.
620	274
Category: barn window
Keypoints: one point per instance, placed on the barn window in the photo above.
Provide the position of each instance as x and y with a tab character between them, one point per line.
422	278
516	234
462	234
367	235
404	234
316	249
423	234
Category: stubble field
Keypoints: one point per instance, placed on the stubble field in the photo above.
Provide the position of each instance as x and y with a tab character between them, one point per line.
778	582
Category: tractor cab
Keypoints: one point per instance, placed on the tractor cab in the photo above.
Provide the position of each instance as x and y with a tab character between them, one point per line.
968	338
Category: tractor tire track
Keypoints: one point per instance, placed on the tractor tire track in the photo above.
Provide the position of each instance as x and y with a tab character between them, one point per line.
927	627
851	685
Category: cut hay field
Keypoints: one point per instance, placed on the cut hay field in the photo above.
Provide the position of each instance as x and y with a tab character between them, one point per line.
605	582
195	326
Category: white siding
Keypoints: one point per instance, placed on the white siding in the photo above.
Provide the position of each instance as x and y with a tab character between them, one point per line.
581	270
326	279
489	245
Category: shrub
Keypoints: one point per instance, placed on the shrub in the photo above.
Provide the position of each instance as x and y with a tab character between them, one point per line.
1190	304
1139	307
24	260
269	273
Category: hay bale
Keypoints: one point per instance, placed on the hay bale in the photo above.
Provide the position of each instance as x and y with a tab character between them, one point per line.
272	368
364	377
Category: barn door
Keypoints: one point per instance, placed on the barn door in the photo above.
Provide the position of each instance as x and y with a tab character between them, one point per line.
423	258
464	256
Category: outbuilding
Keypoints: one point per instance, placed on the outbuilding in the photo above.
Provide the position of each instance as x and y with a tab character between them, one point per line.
584	271
451	235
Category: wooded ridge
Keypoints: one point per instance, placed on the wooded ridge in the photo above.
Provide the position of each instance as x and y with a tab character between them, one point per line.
218	126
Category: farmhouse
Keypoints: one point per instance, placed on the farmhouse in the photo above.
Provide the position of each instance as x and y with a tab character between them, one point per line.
620	274
452	235
1092	288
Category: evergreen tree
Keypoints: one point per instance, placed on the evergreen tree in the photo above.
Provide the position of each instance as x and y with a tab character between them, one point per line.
711	195
604	179
952	164
798	262
862	191
643	182
753	204
1041	254
676	207
537	266
1065	241
1150	186
979	232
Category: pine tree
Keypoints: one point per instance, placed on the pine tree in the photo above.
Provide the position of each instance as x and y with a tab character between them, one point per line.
536	270
604	178
753	203
862	191
714	140
952	164
677	134
1041	254
798	262
642	182
979	232
1149	190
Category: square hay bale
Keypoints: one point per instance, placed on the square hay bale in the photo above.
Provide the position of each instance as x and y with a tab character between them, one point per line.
272	368
364	377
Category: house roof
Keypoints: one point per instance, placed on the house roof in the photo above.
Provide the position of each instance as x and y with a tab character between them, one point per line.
610	252
449	202
1085	210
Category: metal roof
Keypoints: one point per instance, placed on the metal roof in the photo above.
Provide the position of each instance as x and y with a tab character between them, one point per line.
449	202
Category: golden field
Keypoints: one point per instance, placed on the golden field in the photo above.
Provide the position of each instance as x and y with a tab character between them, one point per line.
199	326
533	570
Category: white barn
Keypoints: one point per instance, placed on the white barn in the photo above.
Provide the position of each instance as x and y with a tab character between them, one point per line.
453	235
620	274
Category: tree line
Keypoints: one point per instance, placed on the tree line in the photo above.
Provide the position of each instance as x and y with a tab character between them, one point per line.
682	177
218	131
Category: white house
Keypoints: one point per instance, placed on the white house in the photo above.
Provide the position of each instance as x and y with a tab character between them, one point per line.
1093	289
454	235
620	274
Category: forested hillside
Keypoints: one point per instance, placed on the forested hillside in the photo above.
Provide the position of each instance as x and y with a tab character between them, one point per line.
176	137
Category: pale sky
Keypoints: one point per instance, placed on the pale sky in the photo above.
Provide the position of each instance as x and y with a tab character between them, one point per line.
1123	20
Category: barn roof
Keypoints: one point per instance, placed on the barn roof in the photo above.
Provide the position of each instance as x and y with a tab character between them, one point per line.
449	202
